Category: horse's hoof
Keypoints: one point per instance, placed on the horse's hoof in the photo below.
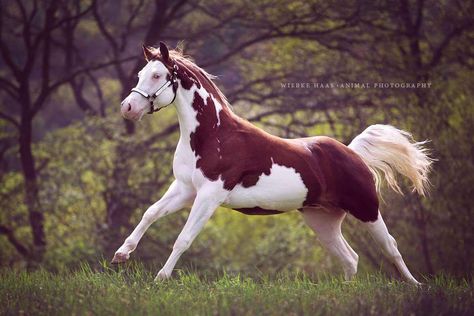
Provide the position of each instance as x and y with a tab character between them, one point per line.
162	276
120	258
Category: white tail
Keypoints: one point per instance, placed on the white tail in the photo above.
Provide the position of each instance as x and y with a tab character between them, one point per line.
386	149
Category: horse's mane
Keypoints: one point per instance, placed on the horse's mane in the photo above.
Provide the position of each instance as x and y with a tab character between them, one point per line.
200	74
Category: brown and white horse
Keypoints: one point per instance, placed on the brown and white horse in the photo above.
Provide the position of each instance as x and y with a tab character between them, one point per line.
222	159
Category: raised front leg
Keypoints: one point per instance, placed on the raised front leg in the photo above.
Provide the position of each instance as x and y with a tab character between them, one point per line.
177	197
202	210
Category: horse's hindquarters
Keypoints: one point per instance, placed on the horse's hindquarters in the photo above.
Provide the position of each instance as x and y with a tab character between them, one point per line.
282	190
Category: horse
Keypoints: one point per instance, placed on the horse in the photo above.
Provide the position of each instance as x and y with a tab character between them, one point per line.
222	159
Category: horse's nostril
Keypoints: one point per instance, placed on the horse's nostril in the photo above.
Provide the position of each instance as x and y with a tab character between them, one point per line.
129	107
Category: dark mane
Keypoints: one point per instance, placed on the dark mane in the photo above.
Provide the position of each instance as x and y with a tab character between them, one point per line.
193	71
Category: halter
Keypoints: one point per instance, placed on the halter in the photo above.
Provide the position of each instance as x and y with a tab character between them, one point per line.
173	81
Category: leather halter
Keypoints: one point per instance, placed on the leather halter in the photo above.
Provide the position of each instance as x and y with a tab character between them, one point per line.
173	81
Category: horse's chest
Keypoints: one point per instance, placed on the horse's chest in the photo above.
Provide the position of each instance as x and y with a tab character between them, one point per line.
185	166
281	190
184	162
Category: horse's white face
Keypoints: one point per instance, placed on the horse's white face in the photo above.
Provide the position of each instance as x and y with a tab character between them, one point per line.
153	76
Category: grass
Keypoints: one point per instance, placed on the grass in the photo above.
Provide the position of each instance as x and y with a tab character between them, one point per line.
131	291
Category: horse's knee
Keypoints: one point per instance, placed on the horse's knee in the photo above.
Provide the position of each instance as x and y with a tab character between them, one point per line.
150	215
181	244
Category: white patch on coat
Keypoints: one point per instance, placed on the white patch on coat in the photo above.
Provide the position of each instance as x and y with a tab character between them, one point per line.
282	190
186	113
218	107
199	180
184	162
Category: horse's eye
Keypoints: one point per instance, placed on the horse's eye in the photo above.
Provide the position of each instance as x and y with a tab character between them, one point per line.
156	76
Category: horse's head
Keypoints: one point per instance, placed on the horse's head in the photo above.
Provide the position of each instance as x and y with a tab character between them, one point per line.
156	87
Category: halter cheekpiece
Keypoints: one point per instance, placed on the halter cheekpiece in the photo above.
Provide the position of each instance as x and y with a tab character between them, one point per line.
172	81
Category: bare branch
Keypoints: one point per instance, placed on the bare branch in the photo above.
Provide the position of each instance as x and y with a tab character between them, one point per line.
128	25
10	119
51	88
9	87
103	29
7	56
455	32
8	232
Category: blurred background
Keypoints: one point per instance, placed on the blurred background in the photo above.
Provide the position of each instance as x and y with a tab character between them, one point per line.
75	177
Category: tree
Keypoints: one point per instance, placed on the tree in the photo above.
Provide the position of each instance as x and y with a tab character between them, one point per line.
31	78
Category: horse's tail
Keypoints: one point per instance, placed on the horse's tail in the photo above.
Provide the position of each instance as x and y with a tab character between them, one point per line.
386	149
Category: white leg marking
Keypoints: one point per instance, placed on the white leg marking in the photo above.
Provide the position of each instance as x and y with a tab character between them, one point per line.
177	197
327	225
380	233
204	206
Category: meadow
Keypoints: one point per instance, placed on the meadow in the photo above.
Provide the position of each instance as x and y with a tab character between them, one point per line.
131	291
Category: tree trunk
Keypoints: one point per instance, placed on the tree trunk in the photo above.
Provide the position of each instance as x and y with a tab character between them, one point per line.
421	223
35	213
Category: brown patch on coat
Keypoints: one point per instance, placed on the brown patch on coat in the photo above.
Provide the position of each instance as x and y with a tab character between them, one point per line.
257	211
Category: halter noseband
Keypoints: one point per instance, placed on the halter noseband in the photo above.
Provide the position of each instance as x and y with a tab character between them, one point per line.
173	81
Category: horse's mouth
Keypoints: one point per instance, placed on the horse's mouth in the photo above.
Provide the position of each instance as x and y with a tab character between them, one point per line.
133	116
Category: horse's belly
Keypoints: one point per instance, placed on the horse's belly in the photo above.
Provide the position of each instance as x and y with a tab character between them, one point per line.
282	190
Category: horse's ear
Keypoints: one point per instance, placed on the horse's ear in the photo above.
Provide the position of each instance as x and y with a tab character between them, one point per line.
147	53
164	52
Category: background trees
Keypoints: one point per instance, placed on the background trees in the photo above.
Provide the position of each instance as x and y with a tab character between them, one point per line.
75	177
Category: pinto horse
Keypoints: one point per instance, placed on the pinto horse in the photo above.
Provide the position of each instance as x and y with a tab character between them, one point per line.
223	160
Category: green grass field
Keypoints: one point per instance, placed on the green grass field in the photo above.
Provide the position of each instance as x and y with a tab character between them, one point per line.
131	291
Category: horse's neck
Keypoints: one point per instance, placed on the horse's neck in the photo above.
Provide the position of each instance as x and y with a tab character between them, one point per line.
188	111
186	115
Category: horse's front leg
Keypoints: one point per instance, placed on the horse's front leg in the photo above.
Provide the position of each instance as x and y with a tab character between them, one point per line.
204	206
177	197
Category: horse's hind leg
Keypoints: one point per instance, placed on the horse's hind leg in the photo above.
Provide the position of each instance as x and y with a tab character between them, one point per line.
327	226
380	233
